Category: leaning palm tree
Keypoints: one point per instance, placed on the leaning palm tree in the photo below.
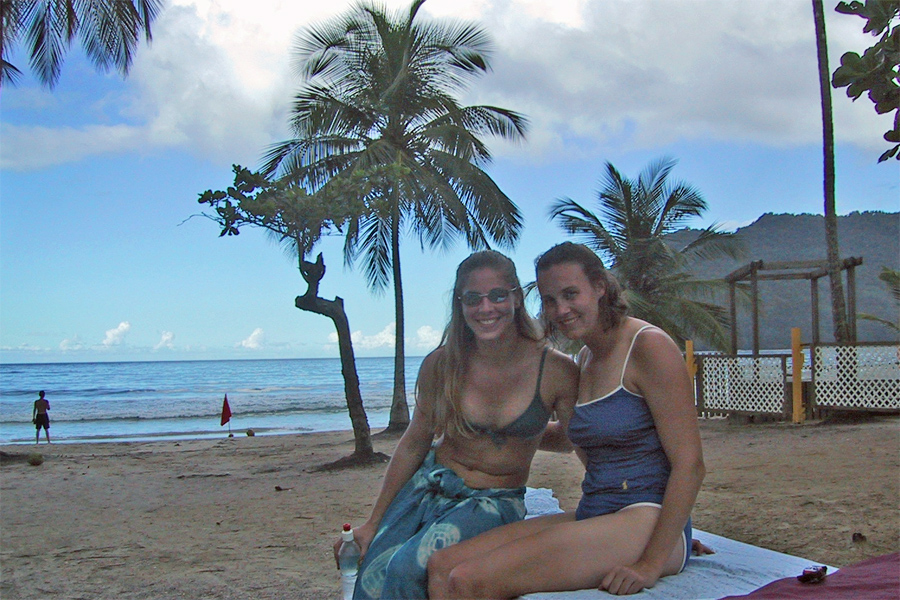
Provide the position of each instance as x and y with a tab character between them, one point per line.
109	31
630	231
377	113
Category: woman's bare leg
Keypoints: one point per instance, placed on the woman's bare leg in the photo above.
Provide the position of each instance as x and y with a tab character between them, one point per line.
571	555
442	562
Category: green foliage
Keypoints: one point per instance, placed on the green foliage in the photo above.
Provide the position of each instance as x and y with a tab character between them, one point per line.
630	233
376	117
285	210
891	278
109	32
876	71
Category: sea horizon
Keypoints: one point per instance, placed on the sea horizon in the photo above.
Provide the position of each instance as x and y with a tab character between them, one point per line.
182	399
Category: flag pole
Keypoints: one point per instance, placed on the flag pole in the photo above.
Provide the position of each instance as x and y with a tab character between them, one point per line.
226	415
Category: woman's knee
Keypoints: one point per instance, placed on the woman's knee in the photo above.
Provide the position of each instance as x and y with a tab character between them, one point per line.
464	581
439	565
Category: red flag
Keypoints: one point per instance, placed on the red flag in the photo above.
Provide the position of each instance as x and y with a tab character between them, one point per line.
226	411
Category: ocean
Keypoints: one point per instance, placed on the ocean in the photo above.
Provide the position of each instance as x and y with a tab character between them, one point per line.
140	401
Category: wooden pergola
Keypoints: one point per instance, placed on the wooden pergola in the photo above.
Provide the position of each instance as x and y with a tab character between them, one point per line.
812	270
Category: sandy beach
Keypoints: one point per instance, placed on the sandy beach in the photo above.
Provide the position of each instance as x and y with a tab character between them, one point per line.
250	517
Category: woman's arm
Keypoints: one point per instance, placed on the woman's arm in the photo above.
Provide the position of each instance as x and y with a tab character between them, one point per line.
658	372
560	382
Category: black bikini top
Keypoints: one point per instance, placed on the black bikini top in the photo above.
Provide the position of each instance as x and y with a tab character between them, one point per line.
529	424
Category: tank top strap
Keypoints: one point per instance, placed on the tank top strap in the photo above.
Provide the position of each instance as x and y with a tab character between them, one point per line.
537	390
628	356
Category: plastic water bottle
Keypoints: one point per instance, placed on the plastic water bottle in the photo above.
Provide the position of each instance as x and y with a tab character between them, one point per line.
348	558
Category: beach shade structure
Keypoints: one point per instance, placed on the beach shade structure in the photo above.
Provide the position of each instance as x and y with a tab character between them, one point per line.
226	414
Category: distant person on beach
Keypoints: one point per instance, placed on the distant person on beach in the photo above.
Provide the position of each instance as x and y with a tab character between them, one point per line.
483	401
635	428
40	418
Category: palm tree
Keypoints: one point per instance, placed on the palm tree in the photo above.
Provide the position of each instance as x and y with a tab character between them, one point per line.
629	232
377	111
109	31
838	306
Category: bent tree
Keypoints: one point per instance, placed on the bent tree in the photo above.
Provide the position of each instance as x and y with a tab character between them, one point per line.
298	220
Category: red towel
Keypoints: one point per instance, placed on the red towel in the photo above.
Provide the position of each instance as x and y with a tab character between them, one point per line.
873	579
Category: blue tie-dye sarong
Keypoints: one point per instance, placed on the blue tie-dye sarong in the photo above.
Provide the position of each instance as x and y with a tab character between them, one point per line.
434	510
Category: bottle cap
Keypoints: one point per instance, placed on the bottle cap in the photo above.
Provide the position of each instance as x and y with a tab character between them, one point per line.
347	533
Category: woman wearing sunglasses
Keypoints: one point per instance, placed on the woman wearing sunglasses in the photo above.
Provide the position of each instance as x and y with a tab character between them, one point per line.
636	431
483	401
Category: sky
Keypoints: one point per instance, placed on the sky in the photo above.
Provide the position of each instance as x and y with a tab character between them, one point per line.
102	256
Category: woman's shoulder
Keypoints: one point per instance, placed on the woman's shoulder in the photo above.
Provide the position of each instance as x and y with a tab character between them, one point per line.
651	342
432	358
562	374
559	360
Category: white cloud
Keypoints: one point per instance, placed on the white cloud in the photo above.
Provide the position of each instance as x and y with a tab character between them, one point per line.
255	340
650	73
427	337
165	341
71	344
217	78
37	147
383	339
115	337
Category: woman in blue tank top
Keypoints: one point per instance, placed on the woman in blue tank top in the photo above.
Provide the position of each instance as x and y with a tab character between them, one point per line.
634	427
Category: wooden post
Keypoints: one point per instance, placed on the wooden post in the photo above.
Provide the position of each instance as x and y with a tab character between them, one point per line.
814	292
851	301
733	307
691	365
754	286
799	414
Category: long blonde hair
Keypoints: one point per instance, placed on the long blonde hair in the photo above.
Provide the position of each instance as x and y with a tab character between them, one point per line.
458	342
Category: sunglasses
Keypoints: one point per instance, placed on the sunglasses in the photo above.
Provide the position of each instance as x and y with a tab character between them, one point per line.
496	296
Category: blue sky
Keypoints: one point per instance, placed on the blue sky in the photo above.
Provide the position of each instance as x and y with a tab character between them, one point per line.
98	178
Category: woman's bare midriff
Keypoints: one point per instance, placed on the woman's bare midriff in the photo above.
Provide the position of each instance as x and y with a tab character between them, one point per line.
482	464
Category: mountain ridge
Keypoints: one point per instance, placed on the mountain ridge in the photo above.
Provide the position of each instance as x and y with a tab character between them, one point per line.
873	236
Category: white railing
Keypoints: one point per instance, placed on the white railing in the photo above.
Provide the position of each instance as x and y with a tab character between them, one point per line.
859	376
853	377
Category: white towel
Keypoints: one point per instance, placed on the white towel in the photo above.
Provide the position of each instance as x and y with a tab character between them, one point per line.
736	568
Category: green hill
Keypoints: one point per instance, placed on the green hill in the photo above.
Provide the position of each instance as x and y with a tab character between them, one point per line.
873	236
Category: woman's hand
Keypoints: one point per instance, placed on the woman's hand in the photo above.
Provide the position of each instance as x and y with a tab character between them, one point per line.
630	579
363	536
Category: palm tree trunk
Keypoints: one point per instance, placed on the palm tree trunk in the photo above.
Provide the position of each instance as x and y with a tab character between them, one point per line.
838	307
399	419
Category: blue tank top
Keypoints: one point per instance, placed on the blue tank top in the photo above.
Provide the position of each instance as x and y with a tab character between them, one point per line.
626	463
